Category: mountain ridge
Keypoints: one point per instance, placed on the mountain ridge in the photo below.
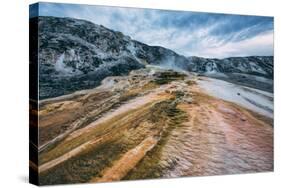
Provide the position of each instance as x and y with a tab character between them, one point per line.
76	54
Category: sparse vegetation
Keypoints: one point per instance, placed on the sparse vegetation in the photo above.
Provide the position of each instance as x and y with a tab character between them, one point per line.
167	77
191	82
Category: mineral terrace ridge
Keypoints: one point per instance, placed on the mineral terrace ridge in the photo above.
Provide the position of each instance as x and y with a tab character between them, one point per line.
112	108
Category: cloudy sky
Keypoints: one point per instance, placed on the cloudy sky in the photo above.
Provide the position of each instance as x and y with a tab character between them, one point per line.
187	33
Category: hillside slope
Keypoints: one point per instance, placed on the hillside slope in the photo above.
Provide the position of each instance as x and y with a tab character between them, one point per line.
77	54
152	123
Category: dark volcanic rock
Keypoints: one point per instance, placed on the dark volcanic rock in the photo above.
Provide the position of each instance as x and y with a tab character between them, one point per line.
77	54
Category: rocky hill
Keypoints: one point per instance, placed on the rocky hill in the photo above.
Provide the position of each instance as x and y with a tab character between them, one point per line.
254	71
77	54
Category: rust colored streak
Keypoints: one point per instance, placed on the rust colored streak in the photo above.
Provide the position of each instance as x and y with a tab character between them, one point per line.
127	162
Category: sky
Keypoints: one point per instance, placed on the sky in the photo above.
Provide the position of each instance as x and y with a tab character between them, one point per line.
187	33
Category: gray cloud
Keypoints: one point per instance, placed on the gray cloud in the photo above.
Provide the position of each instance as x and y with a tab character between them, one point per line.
187	33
